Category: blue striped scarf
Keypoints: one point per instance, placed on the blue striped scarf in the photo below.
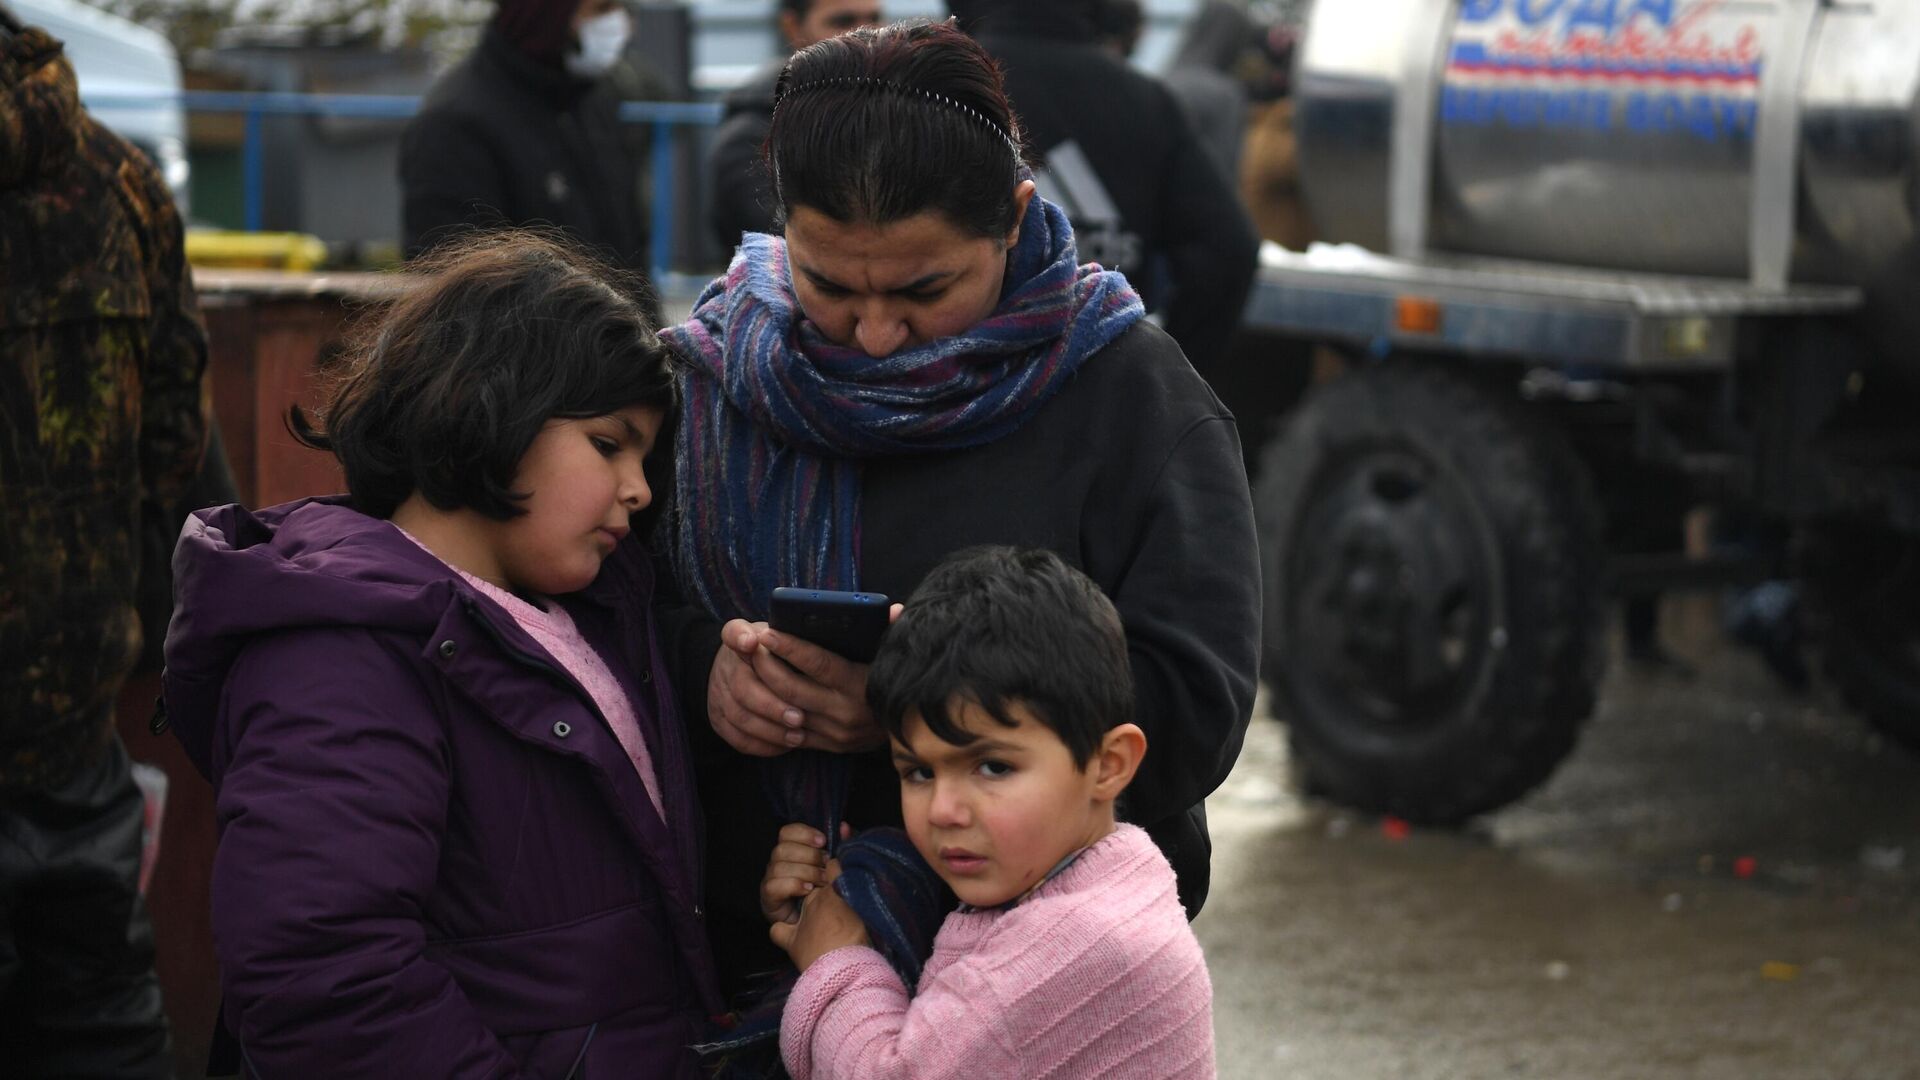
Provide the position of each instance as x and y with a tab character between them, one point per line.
776	419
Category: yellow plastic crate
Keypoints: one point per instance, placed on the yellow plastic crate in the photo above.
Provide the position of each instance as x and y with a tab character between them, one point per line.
261	250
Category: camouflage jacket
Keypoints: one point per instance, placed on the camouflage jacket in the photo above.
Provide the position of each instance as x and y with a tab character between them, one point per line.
101	406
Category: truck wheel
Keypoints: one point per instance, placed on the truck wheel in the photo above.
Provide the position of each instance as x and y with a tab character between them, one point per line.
1433	594
1871	587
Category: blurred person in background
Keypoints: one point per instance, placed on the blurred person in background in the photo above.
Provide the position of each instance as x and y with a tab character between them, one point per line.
1119	157
1266	374
742	190
1269	172
102	424
1205	77
526	131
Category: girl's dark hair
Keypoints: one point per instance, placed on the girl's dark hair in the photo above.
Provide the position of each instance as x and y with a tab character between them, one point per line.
999	625
883	123
443	392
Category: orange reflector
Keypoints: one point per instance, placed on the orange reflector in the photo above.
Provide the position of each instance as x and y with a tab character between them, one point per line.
1416	315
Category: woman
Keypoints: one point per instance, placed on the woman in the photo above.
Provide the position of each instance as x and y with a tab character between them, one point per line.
918	365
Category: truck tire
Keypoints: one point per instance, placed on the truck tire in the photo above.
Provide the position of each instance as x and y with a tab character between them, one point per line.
1434	602
1870	585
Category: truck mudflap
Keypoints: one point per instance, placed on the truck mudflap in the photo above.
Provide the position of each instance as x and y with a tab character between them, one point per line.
1538	312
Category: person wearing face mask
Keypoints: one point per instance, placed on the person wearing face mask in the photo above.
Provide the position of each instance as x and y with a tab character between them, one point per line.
525	132
742	189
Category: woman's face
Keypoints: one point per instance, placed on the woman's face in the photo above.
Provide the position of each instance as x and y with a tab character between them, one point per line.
883	288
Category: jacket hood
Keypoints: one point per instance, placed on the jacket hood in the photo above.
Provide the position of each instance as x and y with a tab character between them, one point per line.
314	564
311	564
541	29
39	106
546	80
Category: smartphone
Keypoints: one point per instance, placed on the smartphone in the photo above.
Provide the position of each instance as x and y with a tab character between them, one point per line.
847	623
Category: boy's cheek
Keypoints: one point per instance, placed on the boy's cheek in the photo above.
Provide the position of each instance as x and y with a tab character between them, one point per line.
914	814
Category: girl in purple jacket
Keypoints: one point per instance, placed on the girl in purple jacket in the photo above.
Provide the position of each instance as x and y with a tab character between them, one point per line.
458	835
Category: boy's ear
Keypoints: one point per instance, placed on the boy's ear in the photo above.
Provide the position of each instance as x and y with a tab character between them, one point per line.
1116	759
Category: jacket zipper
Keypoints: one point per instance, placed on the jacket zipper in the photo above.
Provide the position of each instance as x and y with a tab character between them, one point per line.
575	1073
556	673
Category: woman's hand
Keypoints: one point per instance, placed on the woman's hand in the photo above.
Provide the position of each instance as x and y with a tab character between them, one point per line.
797	867
828	691
742	710
770	693
826	923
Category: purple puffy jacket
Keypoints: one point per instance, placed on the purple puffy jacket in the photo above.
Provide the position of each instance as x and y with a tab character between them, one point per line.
435	859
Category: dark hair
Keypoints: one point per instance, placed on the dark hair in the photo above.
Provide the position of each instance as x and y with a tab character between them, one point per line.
998	625
799	8
882	123
444	391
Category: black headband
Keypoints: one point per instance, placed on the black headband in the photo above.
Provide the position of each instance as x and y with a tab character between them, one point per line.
869	82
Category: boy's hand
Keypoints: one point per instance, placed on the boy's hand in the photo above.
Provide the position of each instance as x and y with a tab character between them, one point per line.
827	923
798	866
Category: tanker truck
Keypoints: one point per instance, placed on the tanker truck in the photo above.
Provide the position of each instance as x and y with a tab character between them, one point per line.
1592	263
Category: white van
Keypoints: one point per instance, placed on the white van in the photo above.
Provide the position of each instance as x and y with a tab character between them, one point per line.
129	78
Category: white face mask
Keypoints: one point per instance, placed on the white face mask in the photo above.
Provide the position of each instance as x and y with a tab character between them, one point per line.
602	39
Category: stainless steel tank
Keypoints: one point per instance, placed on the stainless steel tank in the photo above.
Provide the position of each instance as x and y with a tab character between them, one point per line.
1773	140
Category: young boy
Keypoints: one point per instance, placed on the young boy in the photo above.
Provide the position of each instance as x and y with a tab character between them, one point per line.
1006	691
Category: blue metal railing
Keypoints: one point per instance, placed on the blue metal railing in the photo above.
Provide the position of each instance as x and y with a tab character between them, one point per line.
255	107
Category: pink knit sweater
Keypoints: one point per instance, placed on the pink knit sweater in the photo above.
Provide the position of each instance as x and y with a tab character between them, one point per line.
1095	975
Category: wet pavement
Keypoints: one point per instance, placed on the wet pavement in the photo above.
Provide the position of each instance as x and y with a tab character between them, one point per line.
1723	881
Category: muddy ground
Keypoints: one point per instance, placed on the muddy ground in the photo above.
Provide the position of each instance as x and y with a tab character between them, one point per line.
1723	881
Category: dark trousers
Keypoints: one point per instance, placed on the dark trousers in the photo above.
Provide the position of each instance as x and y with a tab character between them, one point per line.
78	994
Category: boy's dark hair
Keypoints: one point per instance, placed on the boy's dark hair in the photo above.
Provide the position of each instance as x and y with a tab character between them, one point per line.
444	391
883	123
998	625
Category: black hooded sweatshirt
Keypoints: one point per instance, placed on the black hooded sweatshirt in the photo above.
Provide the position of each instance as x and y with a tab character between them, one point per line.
1119	156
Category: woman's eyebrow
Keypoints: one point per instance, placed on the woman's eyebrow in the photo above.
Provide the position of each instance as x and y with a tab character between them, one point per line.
925	281
821	279
922	283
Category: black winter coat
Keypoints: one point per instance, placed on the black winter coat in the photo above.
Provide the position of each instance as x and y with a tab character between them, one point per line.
505	140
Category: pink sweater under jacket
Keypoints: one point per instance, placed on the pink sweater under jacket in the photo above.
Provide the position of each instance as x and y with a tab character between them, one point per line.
1095	975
